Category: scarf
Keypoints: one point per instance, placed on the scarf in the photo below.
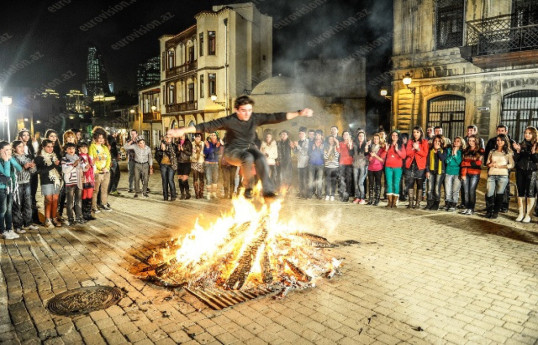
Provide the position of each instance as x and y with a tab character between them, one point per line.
50	159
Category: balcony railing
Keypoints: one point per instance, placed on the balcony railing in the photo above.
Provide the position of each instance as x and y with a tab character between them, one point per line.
179	70
498	35
151	117
185	106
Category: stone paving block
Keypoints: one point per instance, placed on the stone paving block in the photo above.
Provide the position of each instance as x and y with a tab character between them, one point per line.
136	336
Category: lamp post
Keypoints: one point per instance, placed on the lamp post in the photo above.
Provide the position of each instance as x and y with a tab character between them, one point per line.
7	102
407	80
383	92
153	108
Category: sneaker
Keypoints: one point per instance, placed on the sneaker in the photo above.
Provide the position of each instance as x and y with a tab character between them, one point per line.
327	198
208	196
332	198
464	211
362	202
106	208
32	227
130	191
469	212
10	235
356	201
96	210
48	223
115	193
81	221
68	222
145	196
20	231
57	223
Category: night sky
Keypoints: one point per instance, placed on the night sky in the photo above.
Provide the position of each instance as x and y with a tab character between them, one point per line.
51	37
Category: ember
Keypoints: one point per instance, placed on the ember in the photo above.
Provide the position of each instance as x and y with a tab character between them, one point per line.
249	249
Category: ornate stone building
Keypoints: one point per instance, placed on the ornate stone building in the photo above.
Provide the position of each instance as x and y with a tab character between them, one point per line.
470	62
205	67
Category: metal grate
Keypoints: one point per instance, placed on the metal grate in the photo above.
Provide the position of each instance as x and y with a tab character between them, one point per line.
449	113
219	299
519	110
449	23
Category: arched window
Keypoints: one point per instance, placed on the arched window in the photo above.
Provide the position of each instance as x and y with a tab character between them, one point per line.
174	124
449	113
519	110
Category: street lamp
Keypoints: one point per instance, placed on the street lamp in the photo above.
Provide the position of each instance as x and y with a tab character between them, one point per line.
407	81
383	92
7	102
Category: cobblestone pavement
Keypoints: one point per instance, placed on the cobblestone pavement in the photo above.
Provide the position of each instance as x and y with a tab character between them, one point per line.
417	277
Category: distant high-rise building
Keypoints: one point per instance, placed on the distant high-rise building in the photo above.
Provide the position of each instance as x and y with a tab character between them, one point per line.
74	101
148	73
96	78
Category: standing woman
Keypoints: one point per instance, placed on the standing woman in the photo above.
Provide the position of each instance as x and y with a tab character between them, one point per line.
168	167
435	172
499	163
415	165
211	153
269	148
49	168
470	172
376	160
331	158
184	148
102	159
526	158
52	135
30	150
360	167
197	166
452	173
346	166
396	154
8	168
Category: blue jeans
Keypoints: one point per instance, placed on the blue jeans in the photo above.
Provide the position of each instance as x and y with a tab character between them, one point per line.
434	186
245	158
167	179
496	184
22	211
452	188
315	173
211	173
393	176
303	181
6	203
469	186
359	176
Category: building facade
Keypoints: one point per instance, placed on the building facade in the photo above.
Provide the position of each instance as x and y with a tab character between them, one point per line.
469	62
205	67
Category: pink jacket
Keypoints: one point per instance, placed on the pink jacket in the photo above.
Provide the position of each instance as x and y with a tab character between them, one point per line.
376	164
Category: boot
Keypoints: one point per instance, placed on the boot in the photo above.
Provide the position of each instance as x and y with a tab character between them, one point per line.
418	198
429	205
389	202
187	190
530	205
377	195
395	198
497	206
521	209
182	190
490	206
370	194
411	194
435	206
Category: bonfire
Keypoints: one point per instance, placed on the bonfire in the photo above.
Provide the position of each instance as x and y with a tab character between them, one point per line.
249	248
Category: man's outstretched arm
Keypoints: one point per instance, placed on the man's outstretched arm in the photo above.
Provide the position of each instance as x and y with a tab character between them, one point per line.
178	132
306	112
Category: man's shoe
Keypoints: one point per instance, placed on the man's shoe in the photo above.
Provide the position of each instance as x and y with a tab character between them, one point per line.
145	196
135	196
130	191
115	193
10	235
33	227
503	210
327	197
57	223
494	215
248	193
96	210
106	208
173	198
20	231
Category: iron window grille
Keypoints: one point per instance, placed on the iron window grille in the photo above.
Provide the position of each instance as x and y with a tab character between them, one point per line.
520	110
449	23
448	112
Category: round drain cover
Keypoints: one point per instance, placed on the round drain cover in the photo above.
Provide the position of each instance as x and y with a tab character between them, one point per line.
84	300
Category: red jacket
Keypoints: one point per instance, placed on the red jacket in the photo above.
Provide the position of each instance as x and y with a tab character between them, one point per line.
395	159
346	154
419	156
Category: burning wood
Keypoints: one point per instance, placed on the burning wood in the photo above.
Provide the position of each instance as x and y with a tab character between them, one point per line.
244	255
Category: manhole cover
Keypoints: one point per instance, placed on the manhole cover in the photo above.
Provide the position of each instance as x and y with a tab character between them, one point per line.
84	300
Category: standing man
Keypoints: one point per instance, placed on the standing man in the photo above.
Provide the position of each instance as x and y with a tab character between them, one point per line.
284	163
114	165
300	148
131	160
241	149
